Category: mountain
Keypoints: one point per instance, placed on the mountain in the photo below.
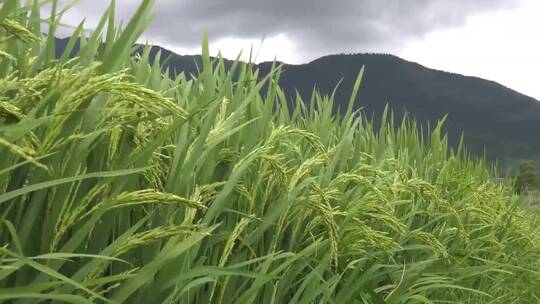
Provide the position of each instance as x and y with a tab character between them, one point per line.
490	115
502	120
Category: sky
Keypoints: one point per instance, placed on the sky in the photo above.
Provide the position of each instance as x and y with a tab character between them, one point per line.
493	39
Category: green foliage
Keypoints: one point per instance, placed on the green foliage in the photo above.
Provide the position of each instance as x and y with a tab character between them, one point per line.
491	116
527	178
121	185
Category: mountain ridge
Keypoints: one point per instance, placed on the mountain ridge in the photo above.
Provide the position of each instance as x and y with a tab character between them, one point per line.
491	115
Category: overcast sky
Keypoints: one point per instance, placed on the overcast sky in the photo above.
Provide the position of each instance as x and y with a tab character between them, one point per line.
492	39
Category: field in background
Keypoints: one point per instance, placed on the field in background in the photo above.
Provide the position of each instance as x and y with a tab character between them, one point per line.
531	200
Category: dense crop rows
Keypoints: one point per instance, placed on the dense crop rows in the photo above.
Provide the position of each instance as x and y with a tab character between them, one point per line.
119	184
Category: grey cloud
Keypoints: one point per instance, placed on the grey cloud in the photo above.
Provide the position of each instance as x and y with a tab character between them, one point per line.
322	25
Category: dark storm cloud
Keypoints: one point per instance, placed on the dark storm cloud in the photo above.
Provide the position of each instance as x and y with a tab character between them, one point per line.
322	25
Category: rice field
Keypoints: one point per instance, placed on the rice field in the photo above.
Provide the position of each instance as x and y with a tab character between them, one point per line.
119	184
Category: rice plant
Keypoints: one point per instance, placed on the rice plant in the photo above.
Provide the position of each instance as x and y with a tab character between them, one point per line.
120	184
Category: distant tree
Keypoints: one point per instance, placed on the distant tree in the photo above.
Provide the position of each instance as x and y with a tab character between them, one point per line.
527	178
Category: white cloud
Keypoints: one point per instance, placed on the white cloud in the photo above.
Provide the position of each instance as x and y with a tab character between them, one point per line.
279	47
503	46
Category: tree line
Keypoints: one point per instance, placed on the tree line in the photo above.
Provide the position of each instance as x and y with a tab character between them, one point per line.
528	178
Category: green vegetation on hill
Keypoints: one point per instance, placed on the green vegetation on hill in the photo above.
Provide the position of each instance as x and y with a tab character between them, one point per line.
527	178
119	184
491	116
